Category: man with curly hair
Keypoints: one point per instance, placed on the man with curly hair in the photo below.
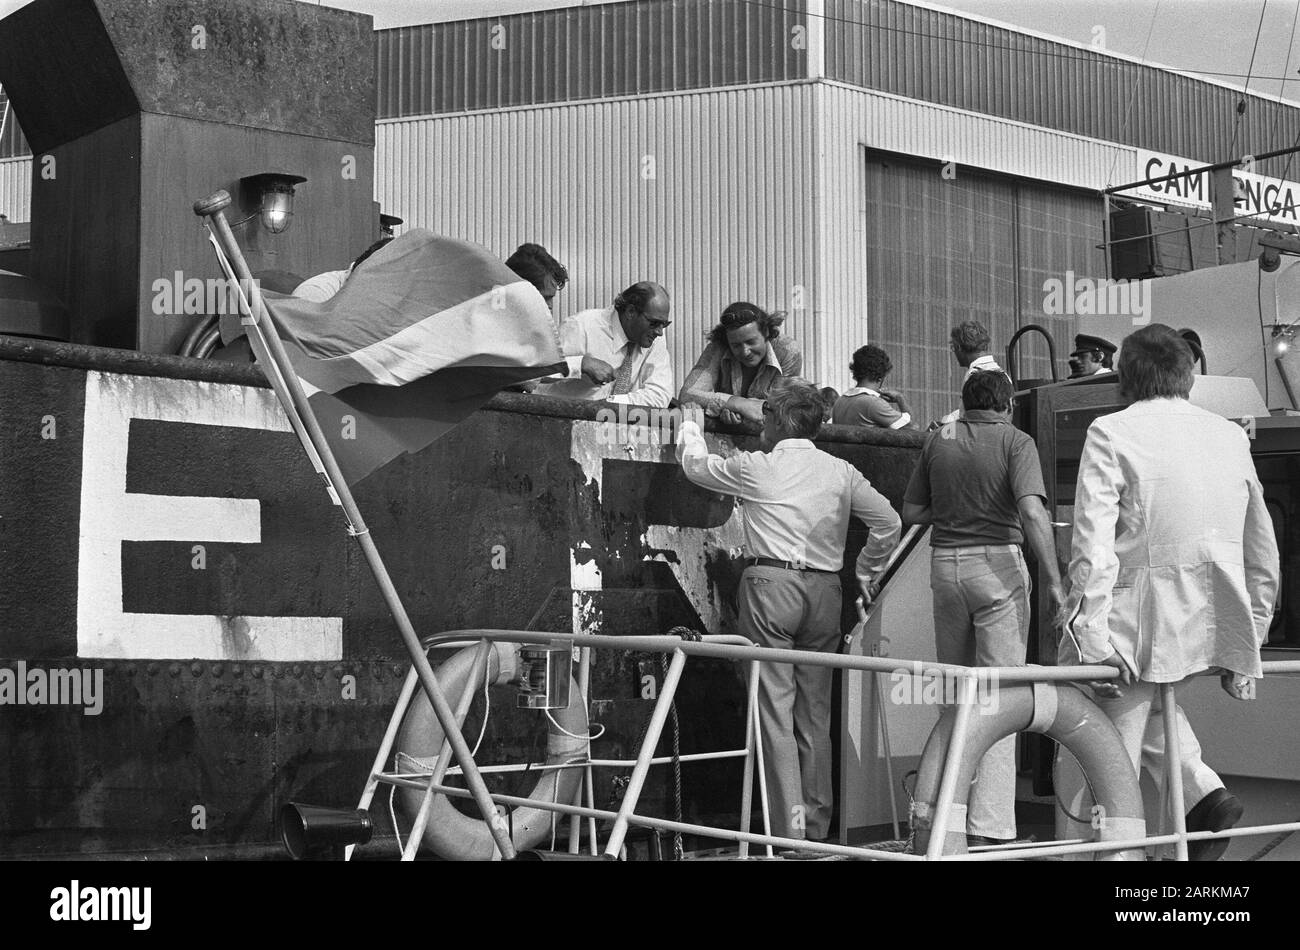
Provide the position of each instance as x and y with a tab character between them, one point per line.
869	403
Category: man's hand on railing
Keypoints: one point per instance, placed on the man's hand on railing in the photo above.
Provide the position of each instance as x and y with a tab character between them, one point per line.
1108	688
1238	686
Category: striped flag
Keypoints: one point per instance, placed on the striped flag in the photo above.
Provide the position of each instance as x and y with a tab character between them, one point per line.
421	335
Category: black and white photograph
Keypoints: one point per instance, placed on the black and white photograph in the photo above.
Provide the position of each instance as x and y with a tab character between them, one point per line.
773	433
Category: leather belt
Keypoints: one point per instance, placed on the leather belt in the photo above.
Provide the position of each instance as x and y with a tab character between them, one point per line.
787	565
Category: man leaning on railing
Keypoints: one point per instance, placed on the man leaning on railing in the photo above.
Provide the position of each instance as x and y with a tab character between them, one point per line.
798	500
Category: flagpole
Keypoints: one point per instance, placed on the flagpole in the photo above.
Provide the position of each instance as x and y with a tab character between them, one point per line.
212	208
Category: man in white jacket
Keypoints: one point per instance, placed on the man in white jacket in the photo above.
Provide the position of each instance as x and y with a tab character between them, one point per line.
1174	567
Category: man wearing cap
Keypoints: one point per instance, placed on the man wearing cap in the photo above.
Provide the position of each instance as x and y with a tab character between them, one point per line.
797	503
1092	356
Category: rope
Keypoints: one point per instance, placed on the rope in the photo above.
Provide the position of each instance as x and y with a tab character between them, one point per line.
910	843
692	636
1057	795
679	851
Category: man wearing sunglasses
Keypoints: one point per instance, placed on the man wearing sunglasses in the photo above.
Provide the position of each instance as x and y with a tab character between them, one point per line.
797	503
618	353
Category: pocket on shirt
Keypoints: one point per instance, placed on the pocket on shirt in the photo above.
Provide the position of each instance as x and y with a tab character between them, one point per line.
1127	577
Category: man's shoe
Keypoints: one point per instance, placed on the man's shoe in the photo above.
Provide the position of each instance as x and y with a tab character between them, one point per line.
1217	811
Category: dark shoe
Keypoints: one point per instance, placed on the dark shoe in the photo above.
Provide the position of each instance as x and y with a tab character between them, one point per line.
1217	811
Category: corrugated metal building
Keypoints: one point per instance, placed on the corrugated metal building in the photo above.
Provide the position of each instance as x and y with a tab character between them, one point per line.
15	166
790	152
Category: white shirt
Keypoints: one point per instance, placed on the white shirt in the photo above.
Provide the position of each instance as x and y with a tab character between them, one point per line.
797	502
599	333
322	287
982	364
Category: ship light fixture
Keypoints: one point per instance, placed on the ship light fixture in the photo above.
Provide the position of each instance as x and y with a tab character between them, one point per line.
1283	338
272	192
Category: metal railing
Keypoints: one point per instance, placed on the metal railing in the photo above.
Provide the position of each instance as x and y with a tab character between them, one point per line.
738	649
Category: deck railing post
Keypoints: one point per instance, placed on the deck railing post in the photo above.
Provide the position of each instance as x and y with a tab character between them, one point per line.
1173	769
952	764
642	767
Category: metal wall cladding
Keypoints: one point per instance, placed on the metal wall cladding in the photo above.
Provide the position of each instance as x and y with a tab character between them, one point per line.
594	52
940	57
857	124
941	251
710	194
12	142
16	189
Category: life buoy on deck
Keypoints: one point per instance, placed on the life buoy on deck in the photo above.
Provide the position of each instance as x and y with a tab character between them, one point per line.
1066	715
451	834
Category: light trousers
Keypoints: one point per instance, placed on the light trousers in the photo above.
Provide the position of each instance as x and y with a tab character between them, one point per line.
1138	716
981	618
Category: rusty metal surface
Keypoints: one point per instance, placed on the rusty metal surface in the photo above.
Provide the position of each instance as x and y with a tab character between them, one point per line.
73	66
239	737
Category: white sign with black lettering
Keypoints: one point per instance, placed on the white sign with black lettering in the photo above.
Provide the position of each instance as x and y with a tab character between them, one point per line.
1256	196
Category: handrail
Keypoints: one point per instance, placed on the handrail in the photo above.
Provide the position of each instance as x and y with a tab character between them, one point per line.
1011	350
739	649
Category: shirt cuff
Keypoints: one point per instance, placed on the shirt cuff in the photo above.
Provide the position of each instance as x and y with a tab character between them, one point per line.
902	421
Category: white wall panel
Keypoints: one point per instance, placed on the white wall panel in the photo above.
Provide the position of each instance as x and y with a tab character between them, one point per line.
16	188
728	214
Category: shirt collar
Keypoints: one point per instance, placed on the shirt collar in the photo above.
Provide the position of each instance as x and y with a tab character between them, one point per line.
770	360
985	415
861	390
984	363
616	334
794	444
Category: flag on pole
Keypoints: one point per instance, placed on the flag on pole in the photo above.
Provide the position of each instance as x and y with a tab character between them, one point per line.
421	335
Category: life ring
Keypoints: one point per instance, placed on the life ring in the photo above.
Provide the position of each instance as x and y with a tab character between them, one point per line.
456	836
1066	715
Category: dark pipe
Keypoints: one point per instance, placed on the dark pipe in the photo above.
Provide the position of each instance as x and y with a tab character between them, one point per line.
1194	341
311	829
1011	350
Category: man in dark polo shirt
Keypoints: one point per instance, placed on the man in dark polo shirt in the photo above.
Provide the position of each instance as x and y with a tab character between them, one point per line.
979	483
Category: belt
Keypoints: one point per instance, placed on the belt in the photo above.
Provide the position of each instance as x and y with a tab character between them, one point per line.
976	549
787	565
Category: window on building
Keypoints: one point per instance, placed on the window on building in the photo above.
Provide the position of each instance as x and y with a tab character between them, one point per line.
941	250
